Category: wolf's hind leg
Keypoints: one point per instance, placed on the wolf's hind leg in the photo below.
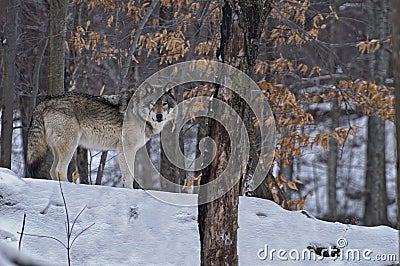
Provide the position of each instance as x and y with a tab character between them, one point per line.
64	151
63	161
63	138
53	171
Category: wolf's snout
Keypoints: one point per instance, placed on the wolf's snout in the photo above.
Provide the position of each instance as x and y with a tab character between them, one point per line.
159	117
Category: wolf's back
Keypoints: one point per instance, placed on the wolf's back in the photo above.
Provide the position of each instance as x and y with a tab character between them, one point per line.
37	146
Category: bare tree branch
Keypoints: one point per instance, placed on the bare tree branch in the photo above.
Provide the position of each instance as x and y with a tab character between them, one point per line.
132	49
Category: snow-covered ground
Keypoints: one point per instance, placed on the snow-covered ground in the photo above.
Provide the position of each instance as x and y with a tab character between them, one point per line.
131	227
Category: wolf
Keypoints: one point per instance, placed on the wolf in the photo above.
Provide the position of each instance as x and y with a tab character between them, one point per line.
70	120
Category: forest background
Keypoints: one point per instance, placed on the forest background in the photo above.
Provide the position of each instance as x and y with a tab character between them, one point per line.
325	67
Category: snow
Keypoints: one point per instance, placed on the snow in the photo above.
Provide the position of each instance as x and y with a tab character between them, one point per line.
132	227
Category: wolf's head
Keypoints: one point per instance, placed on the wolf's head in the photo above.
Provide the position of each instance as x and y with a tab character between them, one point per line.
156	111
161	109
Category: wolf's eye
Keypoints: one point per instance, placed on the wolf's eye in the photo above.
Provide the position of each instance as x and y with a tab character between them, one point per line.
165	104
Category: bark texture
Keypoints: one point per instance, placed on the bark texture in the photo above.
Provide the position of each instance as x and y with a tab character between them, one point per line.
241	28
9	74
58	13
56	61
375	211
395	19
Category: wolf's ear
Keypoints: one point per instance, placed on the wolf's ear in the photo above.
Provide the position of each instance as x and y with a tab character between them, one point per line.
149	88
168	89
145	90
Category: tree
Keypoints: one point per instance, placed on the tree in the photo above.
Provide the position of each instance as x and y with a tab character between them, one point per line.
167	169
375	211
395	19
9	75
76	79
56	64
241	29
57	35
332	162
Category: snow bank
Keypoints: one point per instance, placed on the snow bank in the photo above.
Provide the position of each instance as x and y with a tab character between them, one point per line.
130	227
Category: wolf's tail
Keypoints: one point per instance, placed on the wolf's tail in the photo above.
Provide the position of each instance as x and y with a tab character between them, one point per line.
37	146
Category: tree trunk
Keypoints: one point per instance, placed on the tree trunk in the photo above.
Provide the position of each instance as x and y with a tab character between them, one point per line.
76	79
167	169
58	12
28	103
82	165
287	170
9	73
218	220
332	163
82	154
241	29
375	211
100	171
395	19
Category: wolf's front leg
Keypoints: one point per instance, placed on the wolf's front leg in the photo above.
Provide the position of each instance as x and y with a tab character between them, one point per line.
127	177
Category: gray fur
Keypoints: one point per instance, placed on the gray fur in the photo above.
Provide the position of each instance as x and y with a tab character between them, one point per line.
70	120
